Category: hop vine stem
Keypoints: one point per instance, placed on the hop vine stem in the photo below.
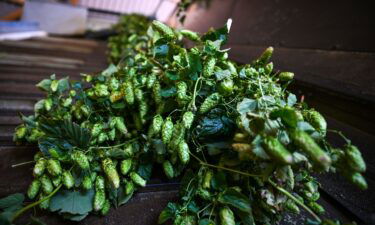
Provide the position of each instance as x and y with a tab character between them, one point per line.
280	189
289	195
29	206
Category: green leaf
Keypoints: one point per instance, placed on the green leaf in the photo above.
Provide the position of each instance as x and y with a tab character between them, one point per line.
110	70
193	207
145	166
246	105
219	181
74	217
222	74
73	202
235	199
168	92
12	200
44	85
122	197
215	125
168	213
4	220
172	75
161	50
159	146
63	84
206	222
246	217
292	99
287	115
119	105
36	221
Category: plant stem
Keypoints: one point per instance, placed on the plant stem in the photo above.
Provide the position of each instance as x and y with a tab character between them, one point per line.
29	206
192	104
115	146
224	168
23	163
289	195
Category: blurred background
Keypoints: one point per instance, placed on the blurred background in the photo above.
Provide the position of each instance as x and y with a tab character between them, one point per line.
330	45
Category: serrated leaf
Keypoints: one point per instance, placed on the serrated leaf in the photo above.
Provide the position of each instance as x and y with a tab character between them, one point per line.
73	202
235	199
12	200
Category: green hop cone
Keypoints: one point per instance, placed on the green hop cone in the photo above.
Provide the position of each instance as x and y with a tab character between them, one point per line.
168	169
99	183
129	187
354	158
311	148
67	179
20	133
316	207
226	216
317	121
286	76
209	66
164	30
207	179
56	181
137	179
54	167
209	103
46	184
128	92
167	130
86	182
45	203
183	152
33	189
188	119
81	160
276	150
125	166
191	35
120	125
110	170
39	167
106	207
156	92
99	200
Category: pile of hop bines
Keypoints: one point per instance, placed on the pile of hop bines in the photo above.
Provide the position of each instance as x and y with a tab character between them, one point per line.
245	146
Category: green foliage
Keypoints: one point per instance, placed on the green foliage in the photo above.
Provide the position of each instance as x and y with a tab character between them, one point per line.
246	146
72	203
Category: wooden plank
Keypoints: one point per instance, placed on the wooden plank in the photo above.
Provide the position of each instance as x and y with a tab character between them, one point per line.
347	73
45	46
70	41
